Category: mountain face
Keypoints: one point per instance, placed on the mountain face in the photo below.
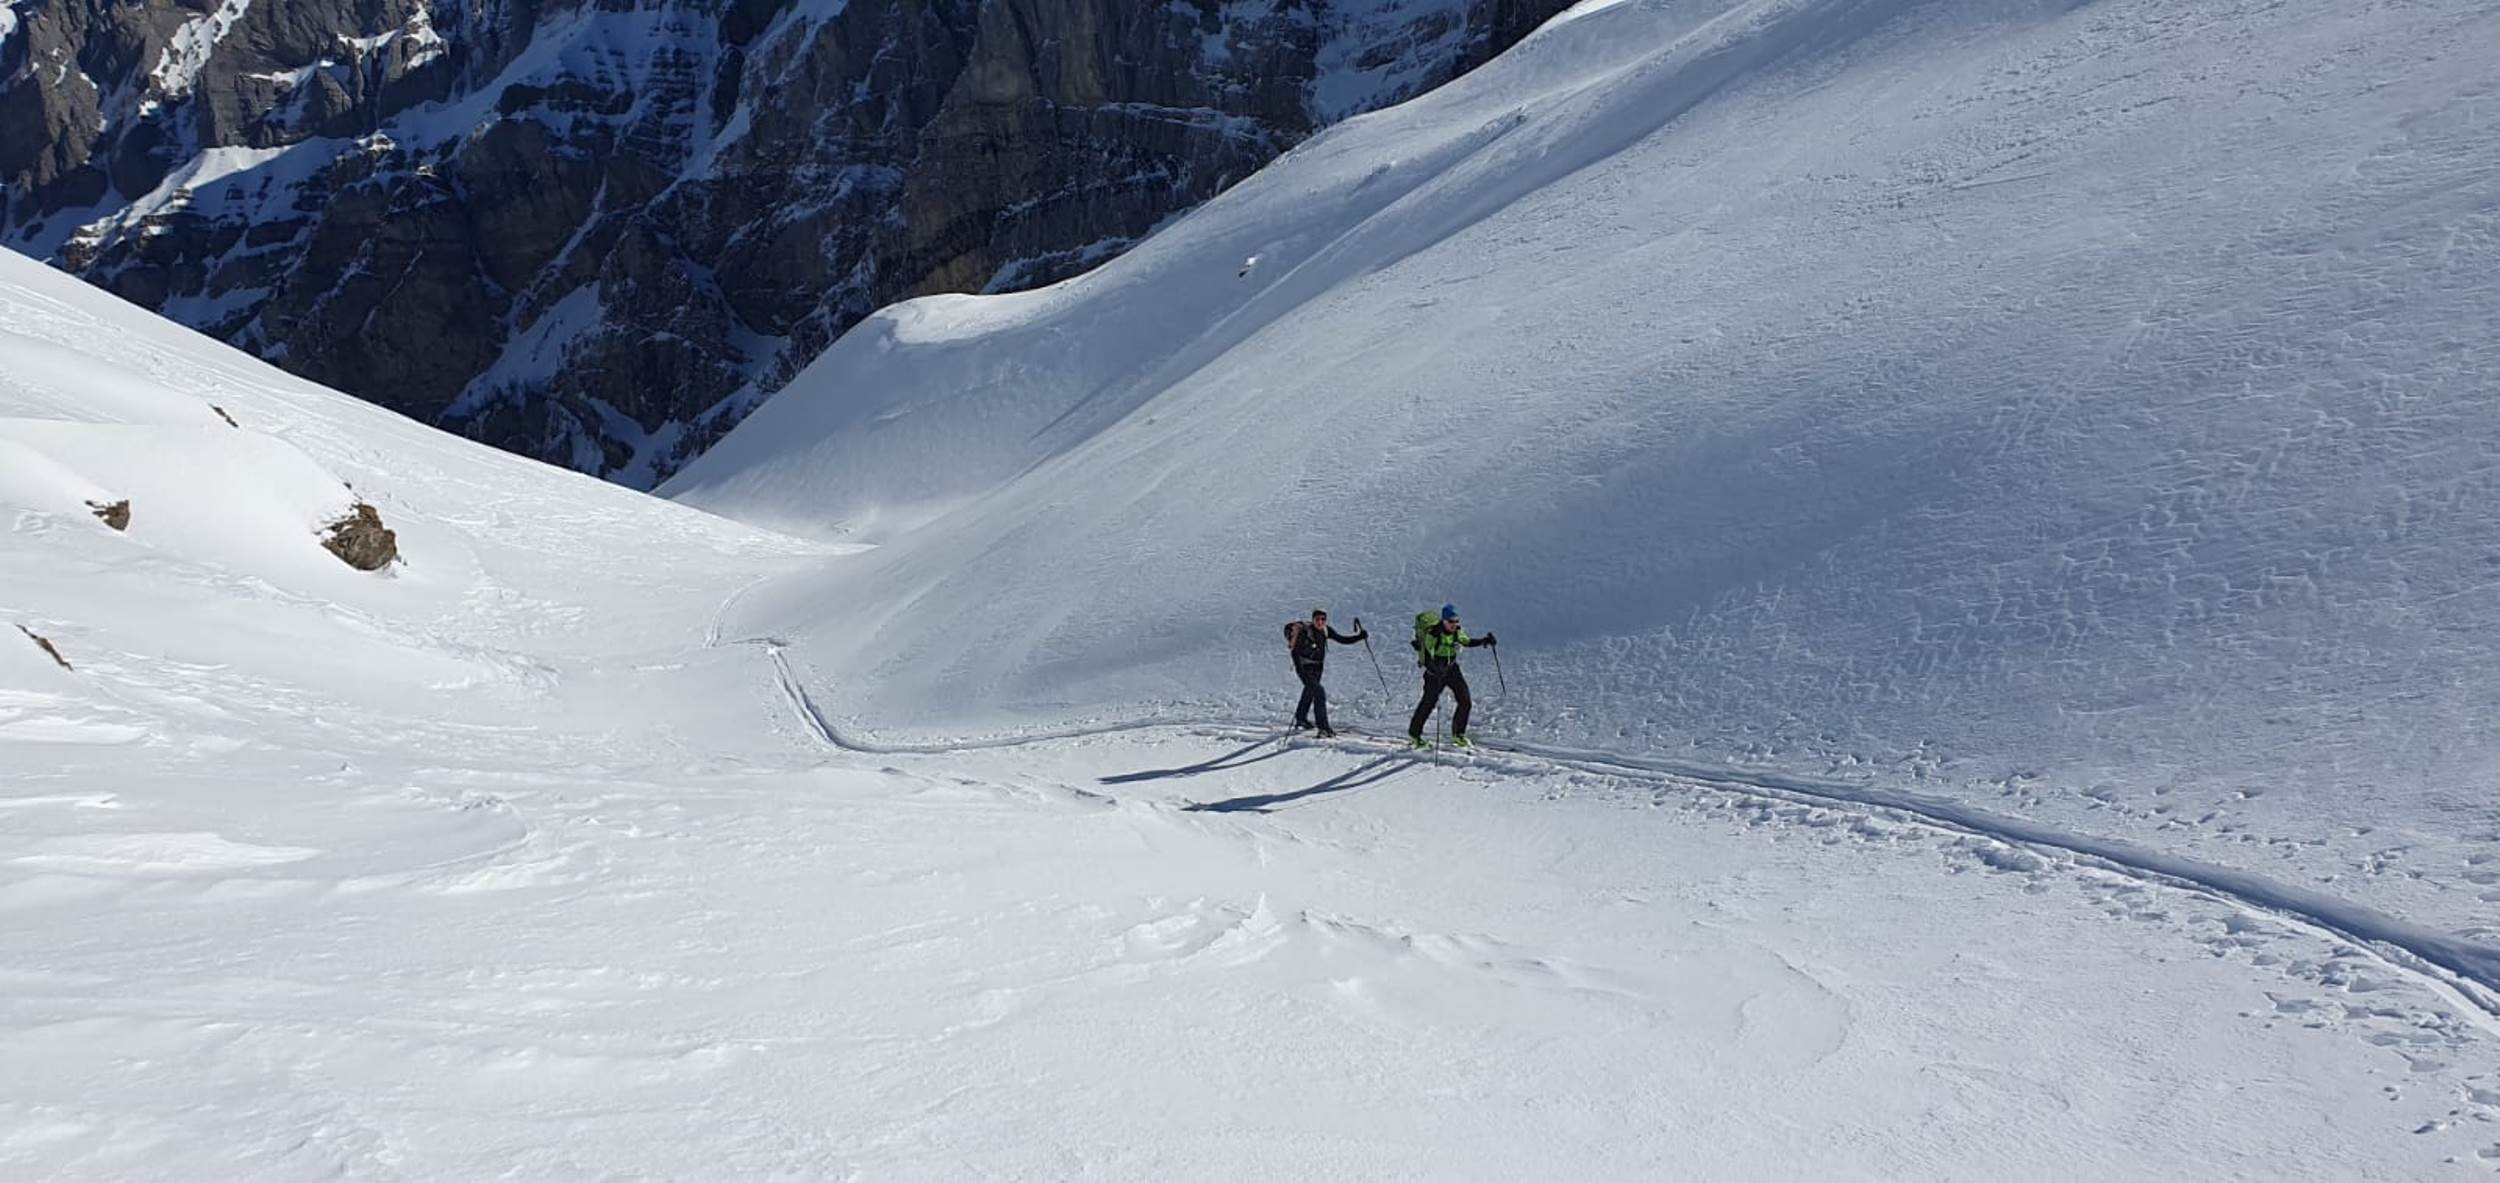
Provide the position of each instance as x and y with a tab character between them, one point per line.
600	232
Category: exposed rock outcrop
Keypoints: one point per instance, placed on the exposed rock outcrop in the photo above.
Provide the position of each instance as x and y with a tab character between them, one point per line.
360	540
45	644
112	513
604	251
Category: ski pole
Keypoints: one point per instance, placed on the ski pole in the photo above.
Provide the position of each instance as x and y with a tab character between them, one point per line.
1497	673
1368	652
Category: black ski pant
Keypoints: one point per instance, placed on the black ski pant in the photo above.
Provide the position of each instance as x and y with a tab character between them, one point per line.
1434	680
1314	697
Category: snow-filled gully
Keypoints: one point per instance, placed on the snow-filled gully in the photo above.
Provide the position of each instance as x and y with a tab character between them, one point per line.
2464	973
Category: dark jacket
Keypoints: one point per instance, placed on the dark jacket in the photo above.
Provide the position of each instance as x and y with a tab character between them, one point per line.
1310	645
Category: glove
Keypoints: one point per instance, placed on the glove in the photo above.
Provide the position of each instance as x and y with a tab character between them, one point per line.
1489	641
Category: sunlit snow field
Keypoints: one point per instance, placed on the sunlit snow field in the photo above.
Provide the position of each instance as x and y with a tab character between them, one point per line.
2084	411
1987	506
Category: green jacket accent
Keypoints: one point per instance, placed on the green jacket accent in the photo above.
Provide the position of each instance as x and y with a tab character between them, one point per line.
1435	645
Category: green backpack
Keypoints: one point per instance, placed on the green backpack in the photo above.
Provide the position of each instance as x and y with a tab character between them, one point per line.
1424	621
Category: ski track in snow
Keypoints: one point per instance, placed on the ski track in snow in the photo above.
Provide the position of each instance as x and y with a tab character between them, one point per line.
485	866
2464	973
2081	408
2371	949
500	836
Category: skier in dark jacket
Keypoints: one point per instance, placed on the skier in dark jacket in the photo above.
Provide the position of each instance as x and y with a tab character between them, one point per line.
1309	642
1437	642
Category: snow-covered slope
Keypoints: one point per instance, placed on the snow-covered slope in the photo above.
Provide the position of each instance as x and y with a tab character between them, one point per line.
2087	409
231	469
520	859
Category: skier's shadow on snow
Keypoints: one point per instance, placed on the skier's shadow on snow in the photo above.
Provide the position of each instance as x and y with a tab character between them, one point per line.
1371	773
1237	758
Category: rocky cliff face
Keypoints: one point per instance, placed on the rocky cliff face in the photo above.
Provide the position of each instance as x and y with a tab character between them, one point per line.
598	231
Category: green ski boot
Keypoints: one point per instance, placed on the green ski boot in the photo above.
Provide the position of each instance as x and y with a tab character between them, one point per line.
1461	741
1418	743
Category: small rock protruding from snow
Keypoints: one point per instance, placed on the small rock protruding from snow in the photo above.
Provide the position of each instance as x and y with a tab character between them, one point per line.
112	513
360	540
45	643
221	413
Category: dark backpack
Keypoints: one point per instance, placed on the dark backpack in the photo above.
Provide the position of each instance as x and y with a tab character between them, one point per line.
1295	631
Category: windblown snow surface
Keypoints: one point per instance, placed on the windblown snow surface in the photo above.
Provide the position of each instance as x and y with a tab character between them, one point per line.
560	850
2089	411
521	859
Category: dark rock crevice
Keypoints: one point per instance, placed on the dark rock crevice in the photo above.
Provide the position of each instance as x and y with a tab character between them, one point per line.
45	643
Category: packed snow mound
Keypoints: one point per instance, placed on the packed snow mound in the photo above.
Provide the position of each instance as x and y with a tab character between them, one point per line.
32	481
80	430
85	383
251	501
232	471
1999	391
